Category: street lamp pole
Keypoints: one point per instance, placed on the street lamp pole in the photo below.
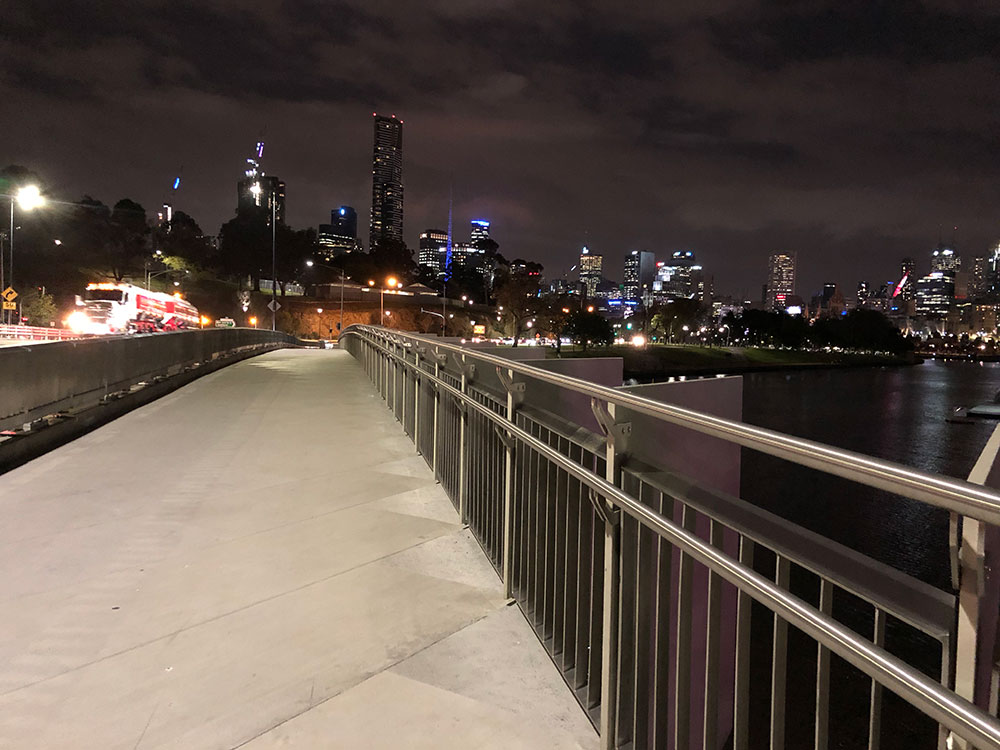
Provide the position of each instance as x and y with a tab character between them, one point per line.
274	259
10	245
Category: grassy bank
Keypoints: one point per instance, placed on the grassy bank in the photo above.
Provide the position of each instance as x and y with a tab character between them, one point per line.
660	360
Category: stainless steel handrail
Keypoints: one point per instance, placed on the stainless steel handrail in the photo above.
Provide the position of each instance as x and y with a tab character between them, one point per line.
964	718
943	492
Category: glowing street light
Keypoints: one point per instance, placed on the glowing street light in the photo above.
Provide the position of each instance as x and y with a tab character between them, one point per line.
253	322
28	198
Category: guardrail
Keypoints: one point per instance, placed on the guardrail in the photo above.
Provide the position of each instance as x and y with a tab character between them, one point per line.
601	554
43	380
36	333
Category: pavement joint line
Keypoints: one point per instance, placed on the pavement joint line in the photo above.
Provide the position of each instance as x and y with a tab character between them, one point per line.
173	634
219	543
385	669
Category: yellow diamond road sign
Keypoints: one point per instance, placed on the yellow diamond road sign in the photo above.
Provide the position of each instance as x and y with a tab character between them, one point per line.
9	294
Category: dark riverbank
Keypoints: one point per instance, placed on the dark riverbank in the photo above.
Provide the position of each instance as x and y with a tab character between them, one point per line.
659	361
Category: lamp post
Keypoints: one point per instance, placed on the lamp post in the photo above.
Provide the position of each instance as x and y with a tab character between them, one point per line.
312	263
28	198
274	259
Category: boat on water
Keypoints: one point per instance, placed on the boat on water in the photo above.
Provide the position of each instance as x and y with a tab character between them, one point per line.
991	411
965	414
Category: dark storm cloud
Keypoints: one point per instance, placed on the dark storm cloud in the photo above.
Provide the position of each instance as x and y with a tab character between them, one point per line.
910	31
848	131
229	51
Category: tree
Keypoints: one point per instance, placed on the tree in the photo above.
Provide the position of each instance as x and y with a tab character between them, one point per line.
125	239
668	320
182	238
245	247
556	311
392	258
590	329
517	300
37	307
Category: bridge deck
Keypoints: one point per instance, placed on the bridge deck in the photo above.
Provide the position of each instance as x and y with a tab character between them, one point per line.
259	560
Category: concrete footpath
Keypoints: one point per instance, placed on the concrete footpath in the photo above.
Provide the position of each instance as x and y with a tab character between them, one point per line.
259	560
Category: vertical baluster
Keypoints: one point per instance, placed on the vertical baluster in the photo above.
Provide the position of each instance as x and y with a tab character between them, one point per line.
741	693
416	401
664	552
460	457
572	567
585	586
779	662
558	596
437	409
712	646
611	599
628	534
875	713
594	648
682	655
538	580
823	672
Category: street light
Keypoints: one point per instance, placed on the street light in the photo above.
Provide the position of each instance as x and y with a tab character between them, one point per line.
28	198
391	281
312	263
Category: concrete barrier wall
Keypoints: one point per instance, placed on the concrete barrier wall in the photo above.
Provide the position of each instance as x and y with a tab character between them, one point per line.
46	377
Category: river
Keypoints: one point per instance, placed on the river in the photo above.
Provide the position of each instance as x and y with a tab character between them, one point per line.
895	413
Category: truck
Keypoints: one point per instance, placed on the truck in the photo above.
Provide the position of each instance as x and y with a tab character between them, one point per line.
111	307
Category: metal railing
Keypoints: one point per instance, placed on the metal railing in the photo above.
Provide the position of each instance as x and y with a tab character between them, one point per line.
605	555
36	333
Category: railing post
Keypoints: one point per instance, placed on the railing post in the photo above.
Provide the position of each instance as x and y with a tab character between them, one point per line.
437	408
462	421
515	395
616	447
416	399
970	551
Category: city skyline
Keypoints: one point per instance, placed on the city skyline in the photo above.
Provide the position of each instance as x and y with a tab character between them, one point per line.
653	130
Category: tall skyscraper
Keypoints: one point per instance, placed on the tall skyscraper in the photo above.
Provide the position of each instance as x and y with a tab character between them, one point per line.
640	271
433	249
679	278
258	193
480	231
993	271
341	234
780	280
944	258
591	270
979	278
387	181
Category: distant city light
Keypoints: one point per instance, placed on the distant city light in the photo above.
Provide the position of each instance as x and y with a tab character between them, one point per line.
177	182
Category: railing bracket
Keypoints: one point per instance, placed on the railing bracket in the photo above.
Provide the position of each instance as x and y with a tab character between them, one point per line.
618	434
507	439
514	389
608	512
469	370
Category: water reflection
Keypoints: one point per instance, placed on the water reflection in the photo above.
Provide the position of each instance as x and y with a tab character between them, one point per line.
893	413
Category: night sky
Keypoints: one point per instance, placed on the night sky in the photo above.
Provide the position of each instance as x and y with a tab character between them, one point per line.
851	132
